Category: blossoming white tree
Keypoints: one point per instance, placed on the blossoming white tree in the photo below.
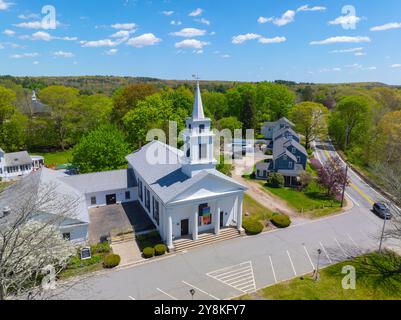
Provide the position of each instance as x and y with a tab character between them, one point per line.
32	249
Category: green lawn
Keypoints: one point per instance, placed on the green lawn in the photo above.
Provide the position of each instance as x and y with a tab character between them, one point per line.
4	185
377	278
313	201
256	210
57	158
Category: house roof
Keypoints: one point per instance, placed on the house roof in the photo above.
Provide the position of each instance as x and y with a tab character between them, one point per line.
292	173
295	144
101	181
284	119
282	131
280	149
166	179
31	186
17	158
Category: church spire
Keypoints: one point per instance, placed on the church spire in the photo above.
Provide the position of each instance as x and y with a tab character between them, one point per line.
198	113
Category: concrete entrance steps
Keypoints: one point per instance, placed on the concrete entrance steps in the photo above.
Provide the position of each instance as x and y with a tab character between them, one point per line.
206	239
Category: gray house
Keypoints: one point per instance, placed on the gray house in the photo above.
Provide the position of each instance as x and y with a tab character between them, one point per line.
269	128
287	133
289	159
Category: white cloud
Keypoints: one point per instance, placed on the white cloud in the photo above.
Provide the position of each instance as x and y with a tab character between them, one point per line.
191	43
348	50
175	23
24	55
29	25
189	33
225	56
9	32
99	43
5	5
262	20
36	62
308	8
361	67
272	40
147	39
387	26
335	69
111	52
45	36
196	12
125	26
341	39
63	54
395	66
203	21
285	19
359	54
345	20
168	13
121	34
245	37
28	16
41	35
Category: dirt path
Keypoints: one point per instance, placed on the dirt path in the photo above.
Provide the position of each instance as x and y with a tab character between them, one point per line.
266	199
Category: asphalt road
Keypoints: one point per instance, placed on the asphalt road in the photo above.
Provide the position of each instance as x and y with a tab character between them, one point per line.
361	194
232	268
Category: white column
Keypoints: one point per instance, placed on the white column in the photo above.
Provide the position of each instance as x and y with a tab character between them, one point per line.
170	244
195	229
239	212
217	222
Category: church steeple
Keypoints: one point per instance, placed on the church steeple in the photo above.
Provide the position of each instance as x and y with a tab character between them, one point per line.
198	138
197	113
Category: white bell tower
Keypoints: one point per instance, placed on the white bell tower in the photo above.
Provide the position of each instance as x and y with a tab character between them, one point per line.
198	140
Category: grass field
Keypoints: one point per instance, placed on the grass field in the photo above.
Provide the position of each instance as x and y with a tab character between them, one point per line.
256	211
4	185
57	158
313	201
378	277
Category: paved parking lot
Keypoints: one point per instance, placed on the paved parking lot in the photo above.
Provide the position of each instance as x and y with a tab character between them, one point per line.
119	218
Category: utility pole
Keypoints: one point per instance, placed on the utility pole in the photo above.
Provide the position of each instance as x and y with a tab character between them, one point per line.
344	186
382	237
316	276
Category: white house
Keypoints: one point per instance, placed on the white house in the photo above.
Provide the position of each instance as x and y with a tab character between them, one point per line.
18	164
181	191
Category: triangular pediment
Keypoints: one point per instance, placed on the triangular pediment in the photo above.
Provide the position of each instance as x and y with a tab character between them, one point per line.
209	186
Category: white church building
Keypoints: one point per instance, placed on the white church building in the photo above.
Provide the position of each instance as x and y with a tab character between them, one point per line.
181	191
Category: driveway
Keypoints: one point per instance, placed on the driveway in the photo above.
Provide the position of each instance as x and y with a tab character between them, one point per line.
116	219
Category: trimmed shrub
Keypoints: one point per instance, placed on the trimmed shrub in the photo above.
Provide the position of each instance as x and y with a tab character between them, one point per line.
275	180
160	249
111	261
148	253
281	221
101	248
252	227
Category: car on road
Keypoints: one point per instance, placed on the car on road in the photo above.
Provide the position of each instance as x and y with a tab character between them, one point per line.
382	211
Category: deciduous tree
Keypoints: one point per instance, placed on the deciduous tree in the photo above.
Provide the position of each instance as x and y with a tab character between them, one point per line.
332	176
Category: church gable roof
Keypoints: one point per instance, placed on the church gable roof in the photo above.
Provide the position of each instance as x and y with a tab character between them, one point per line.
167	180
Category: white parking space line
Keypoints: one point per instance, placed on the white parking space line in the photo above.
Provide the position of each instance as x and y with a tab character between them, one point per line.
168	295
355	244
292	263
132	298
274	273
310	260
352	199
325	252
200	290
240	277
341	248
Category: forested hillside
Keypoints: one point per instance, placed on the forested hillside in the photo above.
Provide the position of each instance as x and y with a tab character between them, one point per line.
364	119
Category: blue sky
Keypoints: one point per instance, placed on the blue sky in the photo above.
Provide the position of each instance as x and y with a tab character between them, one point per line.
253	40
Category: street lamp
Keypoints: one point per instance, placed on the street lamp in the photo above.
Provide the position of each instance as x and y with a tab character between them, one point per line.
316	275
192	292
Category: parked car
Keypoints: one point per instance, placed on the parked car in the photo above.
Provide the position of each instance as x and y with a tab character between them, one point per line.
382	211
